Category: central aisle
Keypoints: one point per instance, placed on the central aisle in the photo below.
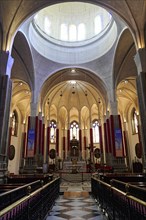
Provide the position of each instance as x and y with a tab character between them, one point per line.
76	203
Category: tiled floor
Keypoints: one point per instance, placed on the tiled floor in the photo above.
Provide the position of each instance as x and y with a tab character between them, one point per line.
75	204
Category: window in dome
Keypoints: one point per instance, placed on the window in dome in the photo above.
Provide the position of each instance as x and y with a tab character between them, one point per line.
95	126
97	24
72	32
81	32
64	32
47	25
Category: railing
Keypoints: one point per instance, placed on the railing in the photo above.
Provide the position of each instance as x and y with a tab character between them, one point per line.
7	198
35	205
118	204
79	177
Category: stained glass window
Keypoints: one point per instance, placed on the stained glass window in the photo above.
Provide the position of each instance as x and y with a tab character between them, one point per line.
53	131
95	127
14	123
74	130
134	121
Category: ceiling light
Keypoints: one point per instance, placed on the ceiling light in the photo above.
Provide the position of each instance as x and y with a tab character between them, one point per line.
73	82
126	81
20	84
61	93
73	70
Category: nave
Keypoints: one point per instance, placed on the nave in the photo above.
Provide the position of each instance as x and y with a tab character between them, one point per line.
75	203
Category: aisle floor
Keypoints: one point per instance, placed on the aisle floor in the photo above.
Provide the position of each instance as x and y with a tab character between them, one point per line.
75	204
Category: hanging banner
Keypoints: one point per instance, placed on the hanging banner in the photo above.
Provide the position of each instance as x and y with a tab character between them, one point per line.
118	142
30	145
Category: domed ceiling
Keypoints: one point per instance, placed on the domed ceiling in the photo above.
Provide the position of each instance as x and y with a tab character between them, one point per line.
75	21
72	32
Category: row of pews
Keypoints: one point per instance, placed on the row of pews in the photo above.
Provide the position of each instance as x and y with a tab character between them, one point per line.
28	196
121	196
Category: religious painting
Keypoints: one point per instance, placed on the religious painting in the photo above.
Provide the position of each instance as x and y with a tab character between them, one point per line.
118	142
30	145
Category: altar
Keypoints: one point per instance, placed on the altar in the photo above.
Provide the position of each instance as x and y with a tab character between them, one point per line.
79	166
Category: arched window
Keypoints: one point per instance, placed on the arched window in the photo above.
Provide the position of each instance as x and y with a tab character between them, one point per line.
72	32
14	123
53	131
134	121
74	130
95	127
97	24
47	25
64	32
81	32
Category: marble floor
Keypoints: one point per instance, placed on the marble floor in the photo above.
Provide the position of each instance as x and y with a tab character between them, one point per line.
75	203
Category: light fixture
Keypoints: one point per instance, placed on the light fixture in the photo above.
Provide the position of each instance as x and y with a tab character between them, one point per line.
126	81
61	93
72	82
73	92
20	84
73	70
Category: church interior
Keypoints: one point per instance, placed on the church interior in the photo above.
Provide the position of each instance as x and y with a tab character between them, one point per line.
73	109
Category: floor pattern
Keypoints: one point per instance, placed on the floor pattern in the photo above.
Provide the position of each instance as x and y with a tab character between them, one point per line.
75	208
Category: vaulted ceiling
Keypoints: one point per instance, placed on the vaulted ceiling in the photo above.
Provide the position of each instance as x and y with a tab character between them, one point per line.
49	78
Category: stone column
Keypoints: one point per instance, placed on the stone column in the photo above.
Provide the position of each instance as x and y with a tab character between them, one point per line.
140	60
6	62
126	144
115	139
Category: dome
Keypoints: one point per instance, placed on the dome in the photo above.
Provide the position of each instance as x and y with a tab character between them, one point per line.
71	22
72	33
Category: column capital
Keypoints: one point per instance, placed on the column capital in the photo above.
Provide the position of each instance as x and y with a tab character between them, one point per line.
140	60
6	63
34	109
113	108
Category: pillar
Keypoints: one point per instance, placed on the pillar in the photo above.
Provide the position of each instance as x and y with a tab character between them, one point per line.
126	144
63	144
115	156
140	60
57	141
6	62
48	142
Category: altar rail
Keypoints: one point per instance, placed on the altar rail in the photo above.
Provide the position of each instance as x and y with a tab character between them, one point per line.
34	205
74	177
120	201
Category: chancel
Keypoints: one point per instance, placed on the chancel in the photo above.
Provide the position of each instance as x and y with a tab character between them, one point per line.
72	109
